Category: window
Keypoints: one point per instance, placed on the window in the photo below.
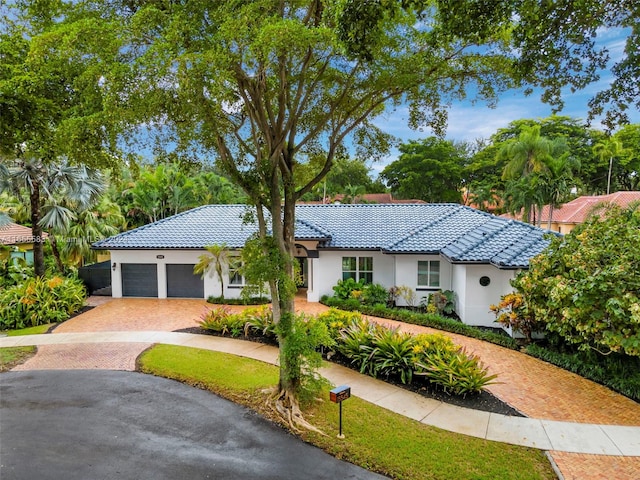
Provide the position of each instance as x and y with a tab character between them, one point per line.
27	256
235	277
358	268
429	273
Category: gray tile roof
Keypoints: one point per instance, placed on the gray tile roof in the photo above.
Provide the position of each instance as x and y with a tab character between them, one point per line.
461	234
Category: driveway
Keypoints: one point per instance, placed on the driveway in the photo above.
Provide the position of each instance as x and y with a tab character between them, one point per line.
106	424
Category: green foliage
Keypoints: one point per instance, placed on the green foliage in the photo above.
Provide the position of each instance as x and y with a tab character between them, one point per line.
429	170
458	373
263	263
14	272
336	320
243	300
300	353
586	286
259	321
221	321
512	312
444	301
393	354
424	319
373	294
344	288
618	372
40	300
356	342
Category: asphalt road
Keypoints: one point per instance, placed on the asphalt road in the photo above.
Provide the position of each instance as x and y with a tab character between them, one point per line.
93	424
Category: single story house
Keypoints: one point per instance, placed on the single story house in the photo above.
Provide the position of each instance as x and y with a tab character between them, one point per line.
426	247
19	240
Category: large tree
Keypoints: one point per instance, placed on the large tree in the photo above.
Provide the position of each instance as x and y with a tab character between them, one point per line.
52	91
271	85
429	170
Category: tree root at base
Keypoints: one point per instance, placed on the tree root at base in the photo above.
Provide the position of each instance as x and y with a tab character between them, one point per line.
287	407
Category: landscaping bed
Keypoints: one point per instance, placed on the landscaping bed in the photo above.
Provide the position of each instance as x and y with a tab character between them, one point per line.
483	401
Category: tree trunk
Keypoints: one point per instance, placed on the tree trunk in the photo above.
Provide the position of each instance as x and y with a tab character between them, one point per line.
36	230
56	252
550	216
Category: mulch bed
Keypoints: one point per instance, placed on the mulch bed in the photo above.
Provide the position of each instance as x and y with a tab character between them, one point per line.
483	401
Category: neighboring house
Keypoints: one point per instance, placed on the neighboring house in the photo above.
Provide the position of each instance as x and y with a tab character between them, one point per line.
19	241
575	212
424	246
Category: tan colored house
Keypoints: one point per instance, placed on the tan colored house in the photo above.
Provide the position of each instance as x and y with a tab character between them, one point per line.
19	239
575	212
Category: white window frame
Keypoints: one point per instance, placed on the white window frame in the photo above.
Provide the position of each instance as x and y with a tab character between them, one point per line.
236	279
430	274
359	272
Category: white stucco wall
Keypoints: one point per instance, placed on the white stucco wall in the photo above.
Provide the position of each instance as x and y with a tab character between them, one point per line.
406	274
477	298
459	286
211	282
327	270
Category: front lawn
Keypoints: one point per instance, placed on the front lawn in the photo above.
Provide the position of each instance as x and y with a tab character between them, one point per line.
376	439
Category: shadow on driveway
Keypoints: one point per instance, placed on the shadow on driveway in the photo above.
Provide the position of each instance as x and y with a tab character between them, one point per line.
108	424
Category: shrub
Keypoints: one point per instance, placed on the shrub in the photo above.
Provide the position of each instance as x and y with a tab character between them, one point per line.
373	294
424	319
221	321
238	301
393	354
344	288
336	320
457	373
512	312
356	342
259	321
443	301
39	301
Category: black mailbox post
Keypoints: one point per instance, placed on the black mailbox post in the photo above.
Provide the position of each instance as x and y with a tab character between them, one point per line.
338	395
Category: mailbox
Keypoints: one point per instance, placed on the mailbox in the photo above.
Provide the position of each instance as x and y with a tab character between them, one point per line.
339	394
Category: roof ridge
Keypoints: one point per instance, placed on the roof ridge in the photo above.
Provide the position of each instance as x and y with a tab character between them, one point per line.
314	226
430	224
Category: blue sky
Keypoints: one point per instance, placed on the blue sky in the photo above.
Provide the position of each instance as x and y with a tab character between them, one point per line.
468	121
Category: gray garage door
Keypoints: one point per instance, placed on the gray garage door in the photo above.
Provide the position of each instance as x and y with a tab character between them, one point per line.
181	282
139	280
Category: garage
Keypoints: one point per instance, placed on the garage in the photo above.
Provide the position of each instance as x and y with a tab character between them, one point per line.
139	280
182	283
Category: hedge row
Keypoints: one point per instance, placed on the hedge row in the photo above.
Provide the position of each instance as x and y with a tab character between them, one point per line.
424	319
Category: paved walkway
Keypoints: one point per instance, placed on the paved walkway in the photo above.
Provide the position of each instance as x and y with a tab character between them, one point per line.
590	431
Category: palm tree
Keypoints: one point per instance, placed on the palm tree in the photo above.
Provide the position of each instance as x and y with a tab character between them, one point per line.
526	155
215	257
44	183
556	182
608	148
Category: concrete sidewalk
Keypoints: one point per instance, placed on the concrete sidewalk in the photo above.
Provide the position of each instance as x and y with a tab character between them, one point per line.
608	440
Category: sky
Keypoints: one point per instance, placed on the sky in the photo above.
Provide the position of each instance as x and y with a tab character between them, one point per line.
468	122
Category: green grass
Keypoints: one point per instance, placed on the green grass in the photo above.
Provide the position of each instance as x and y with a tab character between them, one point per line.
12	356
30	331
376	439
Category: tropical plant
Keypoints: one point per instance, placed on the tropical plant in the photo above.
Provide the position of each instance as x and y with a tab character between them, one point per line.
215	257
585	286
393	354
216	319
444	301
512	312
40	300
374	293
260	322
609	149
457	374
344	288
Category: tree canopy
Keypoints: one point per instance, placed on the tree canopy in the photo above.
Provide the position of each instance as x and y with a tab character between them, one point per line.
429	170
585	286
